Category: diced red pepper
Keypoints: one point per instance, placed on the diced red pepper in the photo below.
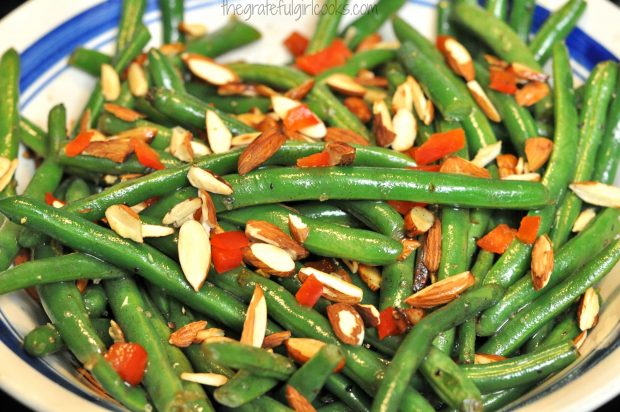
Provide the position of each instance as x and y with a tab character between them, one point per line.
334	55
226	259
498	239
403	207
440	145
233	240
79	144
23	256
128	360
321	159
389	325
299	118
296	43
528	229
50	199
309	292
146	155
503	81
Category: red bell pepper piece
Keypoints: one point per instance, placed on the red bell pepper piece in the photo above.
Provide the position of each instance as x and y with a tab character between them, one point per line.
146	155
334	55
79	144
528	229
390	323
128	360
503	81
440	145
299	118
498	239
225	259
296	43
309	292
230	240
51	200
321	159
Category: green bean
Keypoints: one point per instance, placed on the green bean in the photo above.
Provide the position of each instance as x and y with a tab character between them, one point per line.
521	18
32	137
327	27
145	107
495	401
112	125
556	29
499	8
565	329
77	189
378	216
518	329
107	166
493	32
228	104
568	259
43	340
232	35
88	60
592	119
418	341
263	404
243	388
160	379
171	16
370	22
444	8
327	212
334	407
95	301
9	111
609	152
9	247
163	73
348	392
363	60
131	18
537	338
310	378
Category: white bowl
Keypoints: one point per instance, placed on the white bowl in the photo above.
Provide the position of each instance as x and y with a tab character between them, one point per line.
45	32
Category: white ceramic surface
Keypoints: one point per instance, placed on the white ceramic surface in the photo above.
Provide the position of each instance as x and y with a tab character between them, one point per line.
46	31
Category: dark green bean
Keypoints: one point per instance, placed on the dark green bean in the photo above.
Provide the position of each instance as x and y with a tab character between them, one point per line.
112	125
609	153
95	301
243	388
499	8
566	329
88	60
163	73
131	19
444	8
171	16
327	212
311	377
370	22
43	340
232	35
9	111
327	27
32	137
521	17
228	104
110	167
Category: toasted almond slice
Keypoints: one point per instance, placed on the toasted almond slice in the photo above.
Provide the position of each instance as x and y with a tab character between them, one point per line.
207	379
335	283
432	247
297	401
496	62
140	206
352	265
483	101
340	154
262	231
110	83
171	49
403	97
123	113
487	154
584	219
460	166
542	262
299	92
531	93
405	130
423	106
414	315
409	246
194	253
7	170
186	335
442	292
125	222
580	339
199	149
193	29
255	320
181	145
526	177
115	332
208	70
335	134
486	358
418	220
208	216
345	84
260	150
237	89
217	339
156	231
596	193
359	108
208	333
137	81
538	150
371	276
381	109
347	324
369	313
270	259
526	73
302	349
383	134
282	105
459	59
276	339
375	95
244	139
144	133
182	212
114	150
209	181
220	138
587	313
299	230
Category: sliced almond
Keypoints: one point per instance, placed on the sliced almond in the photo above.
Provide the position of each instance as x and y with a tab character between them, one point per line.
199	149
359	108
596	193
270	259
487	154
458	58
255	323
208	333
244	139
542	262
114	150
217	339
340	154
282	105
172	49
302	349
193	29
208	216
335	134
345	84
371	276
403	97
580	339
418	220
375	95
414	315
262	231
7	170
423	106
506	164
382	125
182	212
347	324
584	218
369	314
352	265
432	247
460	166
299	230
496	62
115	332
351	293
531	93
237	89
156	231
110	83
486	358
209	181
143	133
137	81
186	335
483	101
525	177
409	246
123	113
405	130
538	150
276	339
220	138
260	150
587	313
442	292
208	70
181	145
194	253
525	73
125	222
381	109
297	401
207	379
299	92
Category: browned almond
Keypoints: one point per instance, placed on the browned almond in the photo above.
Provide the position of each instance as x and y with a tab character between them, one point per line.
325	265
359	108
538	150
335	134
414	315
542	262
208	70
347	324
124	222
209	181
81	284
182	212
418	220
7	170
208	379
482	100
208	333
383	134
352	265
423	106
185	336
276	339
254	119
300	92
369	42
115	332
244	139
193	29
340	154
506	164
370	275
144	133
369	313
122	112
237	89
194	253
115	150
208	216
460	166
255	323
459	59
297	401
409	246
337	289
441	292
584	219
299	230
89	381
345	84
260	150
485	358
302	349
110	83
526	73
137	81
265	91
432	247
580	339
375	95
170	49
270	259
421	274
587	313
531	93
181	144
596	193
262	231
496	62
374	81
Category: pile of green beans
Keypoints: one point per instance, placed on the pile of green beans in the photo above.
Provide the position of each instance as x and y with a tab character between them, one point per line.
92	281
